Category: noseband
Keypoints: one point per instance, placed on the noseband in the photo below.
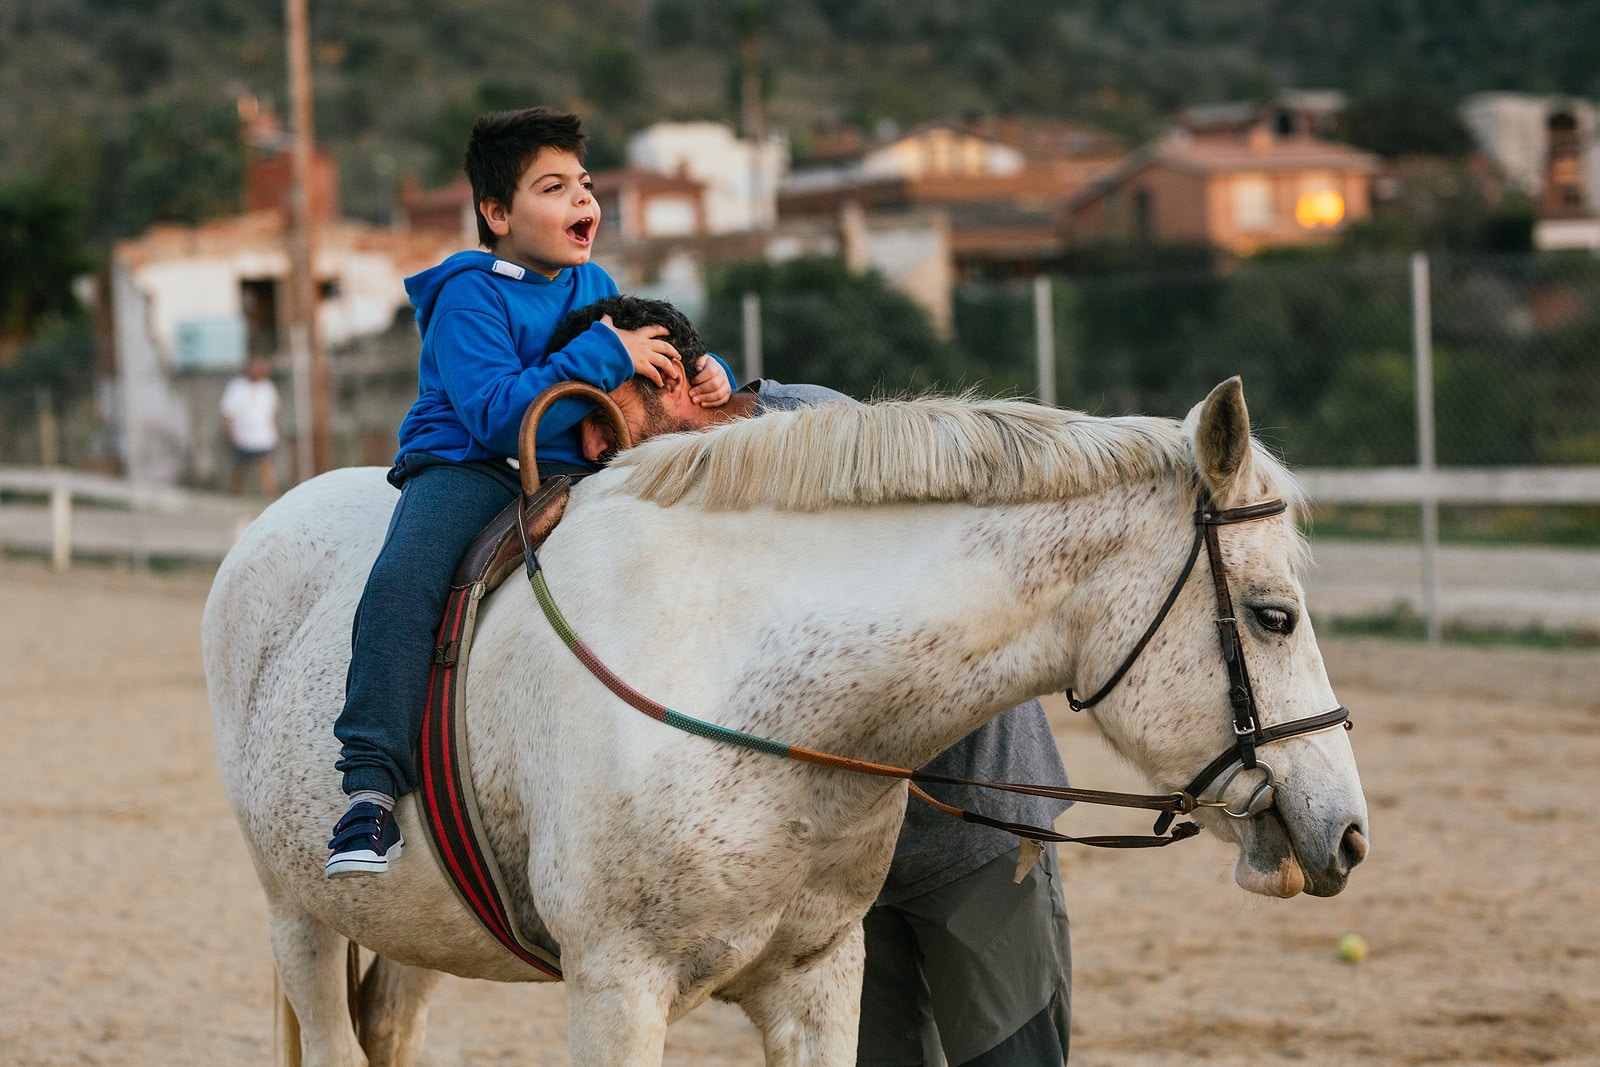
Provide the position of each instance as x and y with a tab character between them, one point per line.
1248	732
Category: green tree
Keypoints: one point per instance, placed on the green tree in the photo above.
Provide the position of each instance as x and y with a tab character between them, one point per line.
447	130
42	251
612	79
174	164
824	325
1407	119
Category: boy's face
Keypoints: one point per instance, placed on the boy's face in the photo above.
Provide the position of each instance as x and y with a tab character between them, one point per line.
552	219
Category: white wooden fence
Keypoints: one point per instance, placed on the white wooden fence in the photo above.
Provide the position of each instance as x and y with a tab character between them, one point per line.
1452	485
122	518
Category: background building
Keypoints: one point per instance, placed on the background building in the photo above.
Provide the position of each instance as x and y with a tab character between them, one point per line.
1236	188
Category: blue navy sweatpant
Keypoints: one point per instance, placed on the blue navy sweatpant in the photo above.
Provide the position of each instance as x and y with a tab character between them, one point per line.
443	506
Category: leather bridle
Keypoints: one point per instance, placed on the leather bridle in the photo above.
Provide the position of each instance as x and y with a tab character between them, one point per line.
1248	732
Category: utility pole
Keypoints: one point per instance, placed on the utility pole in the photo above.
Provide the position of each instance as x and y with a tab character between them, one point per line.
313	436
749	19
752	109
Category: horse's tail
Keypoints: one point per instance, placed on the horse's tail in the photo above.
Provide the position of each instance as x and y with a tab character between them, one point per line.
352	987
286	1025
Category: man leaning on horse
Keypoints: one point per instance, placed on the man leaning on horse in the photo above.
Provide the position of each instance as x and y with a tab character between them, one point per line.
968	960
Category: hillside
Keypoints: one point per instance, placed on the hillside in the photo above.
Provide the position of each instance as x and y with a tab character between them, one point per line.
130	103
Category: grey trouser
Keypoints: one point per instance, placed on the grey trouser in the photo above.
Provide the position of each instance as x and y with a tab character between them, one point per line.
977	972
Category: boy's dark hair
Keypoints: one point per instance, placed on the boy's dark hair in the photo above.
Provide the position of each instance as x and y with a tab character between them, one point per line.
502	145
630	313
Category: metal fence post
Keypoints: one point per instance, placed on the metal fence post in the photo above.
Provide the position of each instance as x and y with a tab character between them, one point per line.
1044	338
1422	346
752	336
60	527
49	429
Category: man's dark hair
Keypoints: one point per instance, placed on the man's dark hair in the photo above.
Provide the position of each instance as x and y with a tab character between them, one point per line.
502	145
630	313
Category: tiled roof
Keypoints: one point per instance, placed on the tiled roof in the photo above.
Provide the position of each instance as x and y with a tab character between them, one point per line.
1226	154
265	231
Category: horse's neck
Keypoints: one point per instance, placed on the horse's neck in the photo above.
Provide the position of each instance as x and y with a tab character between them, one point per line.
895	657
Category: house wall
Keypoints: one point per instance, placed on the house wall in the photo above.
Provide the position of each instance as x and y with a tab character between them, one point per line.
1178	213
910	249
942	153
153	441
173	293
1513	128
741	177
1192	208
370	290
1284	189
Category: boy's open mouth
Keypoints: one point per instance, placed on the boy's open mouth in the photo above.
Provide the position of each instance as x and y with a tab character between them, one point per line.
582	230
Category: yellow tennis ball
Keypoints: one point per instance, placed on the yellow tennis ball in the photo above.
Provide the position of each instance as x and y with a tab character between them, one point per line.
1352	948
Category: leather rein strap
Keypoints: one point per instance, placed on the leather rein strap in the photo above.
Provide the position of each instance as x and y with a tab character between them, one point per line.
1171	803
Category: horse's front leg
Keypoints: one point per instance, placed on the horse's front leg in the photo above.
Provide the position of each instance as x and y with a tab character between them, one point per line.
616	1012
810	1016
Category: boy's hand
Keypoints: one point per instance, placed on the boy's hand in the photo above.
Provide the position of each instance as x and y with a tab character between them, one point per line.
710	388
652	357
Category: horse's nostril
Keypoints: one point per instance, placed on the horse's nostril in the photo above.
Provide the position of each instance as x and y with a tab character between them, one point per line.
1353	848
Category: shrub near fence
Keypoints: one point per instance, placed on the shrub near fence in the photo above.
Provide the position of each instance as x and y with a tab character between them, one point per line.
1326	352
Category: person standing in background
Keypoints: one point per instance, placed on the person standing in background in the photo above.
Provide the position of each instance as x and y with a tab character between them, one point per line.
250	409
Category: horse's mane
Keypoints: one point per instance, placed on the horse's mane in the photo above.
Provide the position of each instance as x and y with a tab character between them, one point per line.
921	450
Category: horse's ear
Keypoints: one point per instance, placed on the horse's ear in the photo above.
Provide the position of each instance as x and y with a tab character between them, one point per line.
1220	428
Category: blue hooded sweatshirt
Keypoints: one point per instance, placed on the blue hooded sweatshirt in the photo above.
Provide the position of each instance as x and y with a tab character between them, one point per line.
485	323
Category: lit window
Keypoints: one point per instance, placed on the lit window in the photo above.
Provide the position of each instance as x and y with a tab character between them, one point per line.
1252	204
1319	208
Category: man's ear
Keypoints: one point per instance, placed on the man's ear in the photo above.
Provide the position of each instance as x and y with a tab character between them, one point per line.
597	437
496	215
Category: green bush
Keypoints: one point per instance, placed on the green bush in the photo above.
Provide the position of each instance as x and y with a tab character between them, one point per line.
823	325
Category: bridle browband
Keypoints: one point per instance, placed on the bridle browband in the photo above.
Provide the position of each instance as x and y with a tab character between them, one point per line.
1247	729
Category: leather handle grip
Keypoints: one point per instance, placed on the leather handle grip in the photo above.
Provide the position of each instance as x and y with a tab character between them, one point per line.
527	452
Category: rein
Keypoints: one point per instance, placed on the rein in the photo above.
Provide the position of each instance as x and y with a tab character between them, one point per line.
1248	732
1168	805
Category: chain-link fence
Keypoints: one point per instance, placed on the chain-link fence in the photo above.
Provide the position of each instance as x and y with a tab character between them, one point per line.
1327	350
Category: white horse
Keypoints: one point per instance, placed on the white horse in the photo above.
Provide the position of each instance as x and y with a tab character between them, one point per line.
871	581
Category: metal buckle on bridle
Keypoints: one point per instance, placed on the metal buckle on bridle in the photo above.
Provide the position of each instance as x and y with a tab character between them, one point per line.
1260	800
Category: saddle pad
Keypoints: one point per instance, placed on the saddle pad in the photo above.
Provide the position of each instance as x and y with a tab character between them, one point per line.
449	803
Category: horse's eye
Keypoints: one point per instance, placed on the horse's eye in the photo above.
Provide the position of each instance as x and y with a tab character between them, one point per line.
1276	620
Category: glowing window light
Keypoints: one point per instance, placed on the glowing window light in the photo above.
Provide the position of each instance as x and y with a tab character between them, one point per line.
1325	207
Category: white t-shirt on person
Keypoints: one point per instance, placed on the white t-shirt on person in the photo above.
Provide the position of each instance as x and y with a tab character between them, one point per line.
251	408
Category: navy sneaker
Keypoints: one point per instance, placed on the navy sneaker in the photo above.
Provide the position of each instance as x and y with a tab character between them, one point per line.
364	841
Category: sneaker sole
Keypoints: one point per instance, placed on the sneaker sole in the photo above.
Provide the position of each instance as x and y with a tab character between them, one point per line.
366	862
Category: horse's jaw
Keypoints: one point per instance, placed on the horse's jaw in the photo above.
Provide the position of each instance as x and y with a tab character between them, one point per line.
1314	855
1267	863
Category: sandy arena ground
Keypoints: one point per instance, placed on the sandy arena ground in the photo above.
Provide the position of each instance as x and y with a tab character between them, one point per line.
133	931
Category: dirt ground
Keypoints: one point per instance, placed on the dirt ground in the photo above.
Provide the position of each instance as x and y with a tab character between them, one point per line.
132	930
